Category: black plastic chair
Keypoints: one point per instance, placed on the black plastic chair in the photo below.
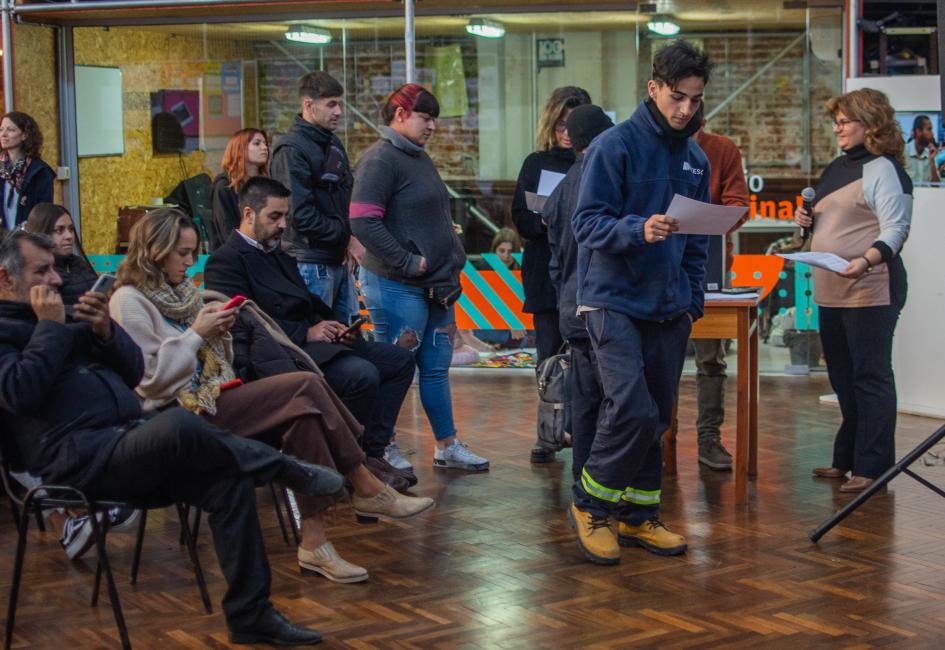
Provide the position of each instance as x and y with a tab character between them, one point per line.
44	496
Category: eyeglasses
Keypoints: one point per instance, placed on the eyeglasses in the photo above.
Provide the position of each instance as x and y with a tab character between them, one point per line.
62	230
842	124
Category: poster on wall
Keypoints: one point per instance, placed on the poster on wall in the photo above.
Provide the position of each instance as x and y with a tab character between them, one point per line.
222	104
449	79
175	121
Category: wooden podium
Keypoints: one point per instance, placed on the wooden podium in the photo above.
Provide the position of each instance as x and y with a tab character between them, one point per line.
732	319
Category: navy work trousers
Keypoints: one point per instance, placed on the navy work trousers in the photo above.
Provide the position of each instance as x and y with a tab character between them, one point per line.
639	363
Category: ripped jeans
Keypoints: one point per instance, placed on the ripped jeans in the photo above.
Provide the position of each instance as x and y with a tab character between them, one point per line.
402	315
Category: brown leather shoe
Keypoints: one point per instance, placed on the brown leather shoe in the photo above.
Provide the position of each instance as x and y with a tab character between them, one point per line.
399	483
382	465
856	484
829	472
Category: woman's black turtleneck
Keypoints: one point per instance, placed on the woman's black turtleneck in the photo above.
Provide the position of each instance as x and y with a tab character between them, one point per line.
539	293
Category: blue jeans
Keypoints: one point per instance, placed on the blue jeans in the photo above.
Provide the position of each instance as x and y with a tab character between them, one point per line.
335	286
402	315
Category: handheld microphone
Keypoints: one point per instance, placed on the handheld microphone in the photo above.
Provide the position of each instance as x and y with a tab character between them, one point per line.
807	195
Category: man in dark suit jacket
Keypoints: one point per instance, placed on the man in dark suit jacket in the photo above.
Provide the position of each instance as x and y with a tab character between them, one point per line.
69	413
372	379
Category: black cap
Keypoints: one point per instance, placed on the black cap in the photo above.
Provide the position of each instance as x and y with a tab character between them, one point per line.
585	123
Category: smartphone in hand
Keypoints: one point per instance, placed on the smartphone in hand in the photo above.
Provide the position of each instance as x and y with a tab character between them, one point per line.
353	327
234	303
104	283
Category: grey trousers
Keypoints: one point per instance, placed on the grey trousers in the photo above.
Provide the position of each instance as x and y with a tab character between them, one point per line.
710	383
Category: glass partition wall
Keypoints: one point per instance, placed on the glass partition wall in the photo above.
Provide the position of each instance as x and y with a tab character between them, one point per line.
492	73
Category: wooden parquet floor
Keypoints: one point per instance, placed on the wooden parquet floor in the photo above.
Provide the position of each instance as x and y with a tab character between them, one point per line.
496	566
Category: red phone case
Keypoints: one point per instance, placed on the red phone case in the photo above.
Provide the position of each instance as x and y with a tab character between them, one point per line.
231	384
235	301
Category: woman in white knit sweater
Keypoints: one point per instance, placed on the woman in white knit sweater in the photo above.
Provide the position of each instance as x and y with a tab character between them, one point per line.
188	354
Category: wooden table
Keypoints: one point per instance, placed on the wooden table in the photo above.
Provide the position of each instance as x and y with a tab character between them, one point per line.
732	319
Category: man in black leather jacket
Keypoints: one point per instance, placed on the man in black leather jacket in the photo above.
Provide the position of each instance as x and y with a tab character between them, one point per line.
68	405
311	161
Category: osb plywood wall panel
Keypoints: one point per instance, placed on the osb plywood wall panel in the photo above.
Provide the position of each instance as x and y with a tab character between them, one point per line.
34	78
149	61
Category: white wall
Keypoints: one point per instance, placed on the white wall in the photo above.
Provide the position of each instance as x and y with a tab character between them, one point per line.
905	92
919	344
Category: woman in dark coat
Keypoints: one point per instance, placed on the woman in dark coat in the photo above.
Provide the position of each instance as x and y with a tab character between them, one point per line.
25	179
71	264
554	154
246	155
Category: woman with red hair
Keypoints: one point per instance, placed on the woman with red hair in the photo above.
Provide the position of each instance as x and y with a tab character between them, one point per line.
246	155
400	211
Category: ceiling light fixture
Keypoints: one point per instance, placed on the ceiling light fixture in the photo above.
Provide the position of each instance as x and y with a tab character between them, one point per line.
485	28
308	35
663	26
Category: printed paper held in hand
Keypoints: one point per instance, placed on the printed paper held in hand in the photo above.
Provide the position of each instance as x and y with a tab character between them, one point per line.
827	261
547	182
698	218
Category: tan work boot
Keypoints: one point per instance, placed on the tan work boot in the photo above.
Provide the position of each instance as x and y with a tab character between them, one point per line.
595	537
653	536
389	504
325	561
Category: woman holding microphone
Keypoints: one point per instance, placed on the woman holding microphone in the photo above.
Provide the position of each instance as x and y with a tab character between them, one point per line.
862	212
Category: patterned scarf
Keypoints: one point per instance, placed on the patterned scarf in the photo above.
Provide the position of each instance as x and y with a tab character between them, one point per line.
180	305
13	173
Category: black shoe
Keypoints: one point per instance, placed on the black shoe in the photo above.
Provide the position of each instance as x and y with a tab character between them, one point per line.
275	629
308	478
543	454
387	468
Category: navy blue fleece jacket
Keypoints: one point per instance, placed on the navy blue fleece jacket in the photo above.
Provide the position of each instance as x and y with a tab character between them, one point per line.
631	172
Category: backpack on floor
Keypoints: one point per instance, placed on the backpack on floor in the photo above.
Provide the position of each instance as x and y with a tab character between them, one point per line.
554	400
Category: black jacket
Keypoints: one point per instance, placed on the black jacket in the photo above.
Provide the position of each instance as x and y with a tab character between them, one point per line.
65	397
273	282
539	294
37	188
317	230
226	212
562	268
77	275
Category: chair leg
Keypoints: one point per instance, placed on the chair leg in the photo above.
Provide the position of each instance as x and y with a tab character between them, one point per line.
186	510
194	558
22	525
139	542
279	517
40	522
99	530
292	509
97	584
195	526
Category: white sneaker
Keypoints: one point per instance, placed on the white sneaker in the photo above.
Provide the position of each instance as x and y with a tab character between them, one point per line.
458	456
393	455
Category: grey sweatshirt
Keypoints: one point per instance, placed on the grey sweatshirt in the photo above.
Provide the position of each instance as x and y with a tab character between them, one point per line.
400	211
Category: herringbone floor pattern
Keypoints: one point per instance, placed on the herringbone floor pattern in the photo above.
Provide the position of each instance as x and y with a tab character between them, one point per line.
495	565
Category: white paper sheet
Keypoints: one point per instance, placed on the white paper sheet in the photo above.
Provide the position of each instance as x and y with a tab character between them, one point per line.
698	218
827	261
534	202
547	182
714	296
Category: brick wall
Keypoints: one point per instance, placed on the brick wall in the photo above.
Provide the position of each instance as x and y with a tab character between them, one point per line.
374	68
766	120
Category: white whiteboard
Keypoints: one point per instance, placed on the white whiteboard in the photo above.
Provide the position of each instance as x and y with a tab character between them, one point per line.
99	111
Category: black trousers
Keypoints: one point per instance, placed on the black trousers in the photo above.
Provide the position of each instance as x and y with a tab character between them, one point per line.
179	456
373	383
586	399
857	345
547	334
